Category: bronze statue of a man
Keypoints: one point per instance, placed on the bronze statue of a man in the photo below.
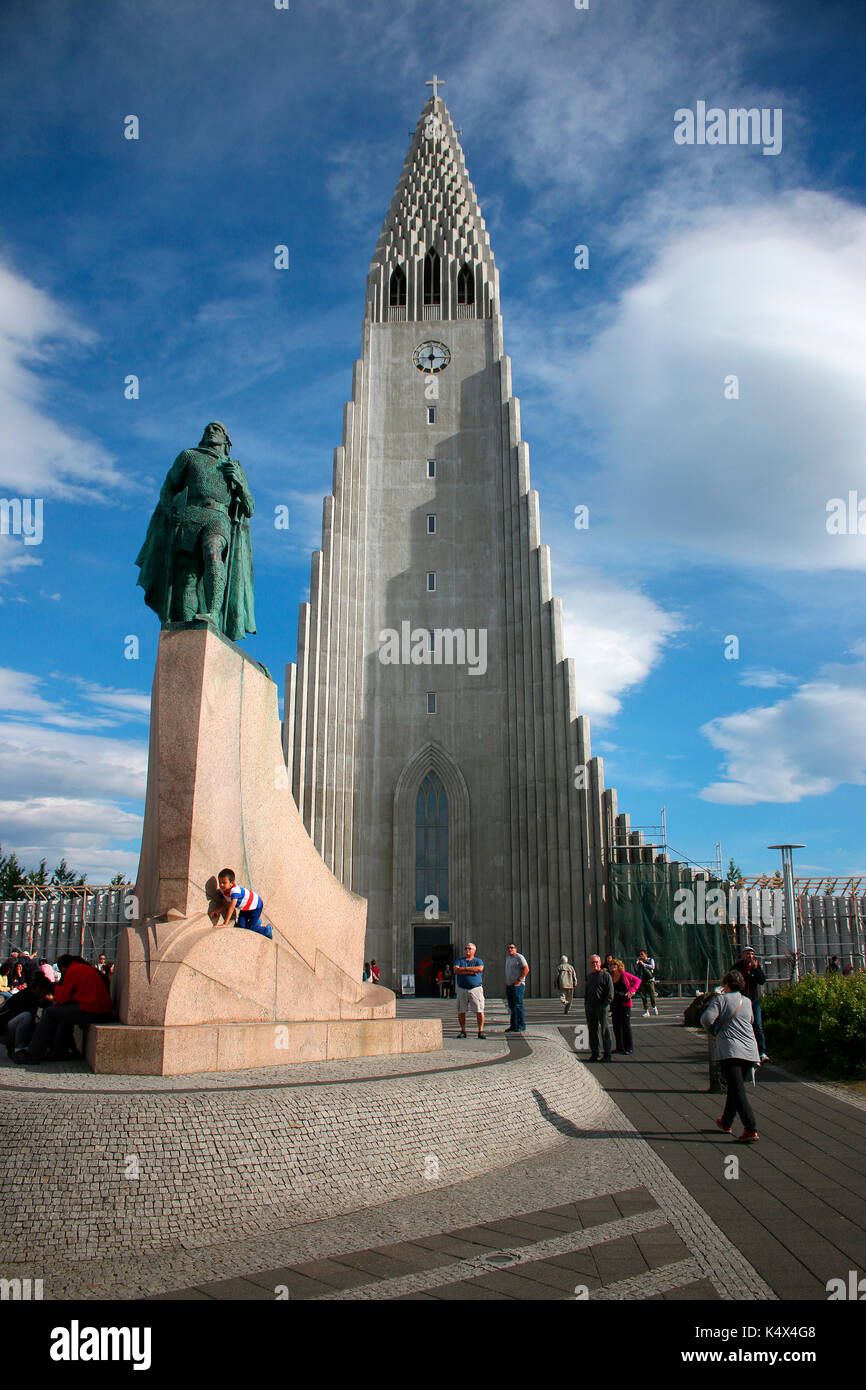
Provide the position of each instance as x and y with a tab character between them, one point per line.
197	559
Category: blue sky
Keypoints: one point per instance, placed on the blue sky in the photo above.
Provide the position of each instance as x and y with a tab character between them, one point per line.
707	516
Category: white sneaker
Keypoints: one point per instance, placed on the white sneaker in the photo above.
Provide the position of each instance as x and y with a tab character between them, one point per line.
656	1012
646	1015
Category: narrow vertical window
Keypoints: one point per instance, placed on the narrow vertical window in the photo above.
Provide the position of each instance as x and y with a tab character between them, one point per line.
431	415
465	286
431	581
431	468
397	287
431	524
431	702
432	278
431	837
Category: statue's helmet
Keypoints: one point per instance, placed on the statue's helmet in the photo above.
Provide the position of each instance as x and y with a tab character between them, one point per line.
215	425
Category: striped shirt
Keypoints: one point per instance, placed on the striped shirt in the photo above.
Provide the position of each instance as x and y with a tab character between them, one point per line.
245	898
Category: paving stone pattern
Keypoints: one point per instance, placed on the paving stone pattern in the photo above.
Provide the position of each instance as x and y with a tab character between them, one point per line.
149	1171
576	1147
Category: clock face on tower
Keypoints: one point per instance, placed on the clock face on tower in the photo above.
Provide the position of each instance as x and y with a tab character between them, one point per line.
431	357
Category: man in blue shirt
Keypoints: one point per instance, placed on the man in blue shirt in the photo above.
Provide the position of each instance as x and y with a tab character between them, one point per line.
469	972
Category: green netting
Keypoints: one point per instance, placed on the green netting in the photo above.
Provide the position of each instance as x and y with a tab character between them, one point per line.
642	906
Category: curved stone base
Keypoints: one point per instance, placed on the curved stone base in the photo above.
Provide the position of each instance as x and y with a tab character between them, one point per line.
126	1050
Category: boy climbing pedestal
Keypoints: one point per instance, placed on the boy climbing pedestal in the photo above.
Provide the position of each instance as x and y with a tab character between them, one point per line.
249	906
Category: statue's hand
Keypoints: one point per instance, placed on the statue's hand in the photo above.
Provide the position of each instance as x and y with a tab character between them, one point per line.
233	471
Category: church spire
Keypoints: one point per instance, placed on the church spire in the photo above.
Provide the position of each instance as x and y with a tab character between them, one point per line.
433	258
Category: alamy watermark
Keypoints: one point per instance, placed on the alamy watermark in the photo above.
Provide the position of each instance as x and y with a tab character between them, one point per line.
736	126
700	906
22	516
20	1290
440	646
846	518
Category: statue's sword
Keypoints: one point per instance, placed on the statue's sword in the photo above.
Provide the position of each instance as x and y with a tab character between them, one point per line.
234	518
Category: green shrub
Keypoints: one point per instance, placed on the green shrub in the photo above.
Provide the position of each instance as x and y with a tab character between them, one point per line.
821	1020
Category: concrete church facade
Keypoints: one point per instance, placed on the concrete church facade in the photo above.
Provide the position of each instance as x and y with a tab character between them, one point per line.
431	731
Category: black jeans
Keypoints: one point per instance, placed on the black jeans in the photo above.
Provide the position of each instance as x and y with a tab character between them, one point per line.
599	1029
735	1070
54	1029
620	1017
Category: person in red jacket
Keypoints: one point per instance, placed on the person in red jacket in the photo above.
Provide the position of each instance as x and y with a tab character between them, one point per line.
81	997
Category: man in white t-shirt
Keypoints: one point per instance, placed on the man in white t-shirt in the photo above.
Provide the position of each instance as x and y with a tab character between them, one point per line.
469	973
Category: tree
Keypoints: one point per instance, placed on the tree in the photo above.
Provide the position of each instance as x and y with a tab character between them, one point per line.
735	873
120	882
11	875
37	877
66	876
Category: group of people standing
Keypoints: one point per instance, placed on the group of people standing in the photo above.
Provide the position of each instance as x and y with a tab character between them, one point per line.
469	975
608	995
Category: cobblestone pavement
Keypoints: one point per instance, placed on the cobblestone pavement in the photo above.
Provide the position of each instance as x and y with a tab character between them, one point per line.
146	1191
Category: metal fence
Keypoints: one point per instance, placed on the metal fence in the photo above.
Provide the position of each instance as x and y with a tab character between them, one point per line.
828	924
695	925
84	922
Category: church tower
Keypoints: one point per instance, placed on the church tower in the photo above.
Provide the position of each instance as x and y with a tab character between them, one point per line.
431	731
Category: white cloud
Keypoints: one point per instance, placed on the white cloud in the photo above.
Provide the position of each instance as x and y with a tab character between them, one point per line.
615	634
775	295
15	555
806	745
18	693
132	703
66	823
41	457
55	762
766	679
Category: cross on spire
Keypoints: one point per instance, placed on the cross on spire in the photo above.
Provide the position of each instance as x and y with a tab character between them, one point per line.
435	84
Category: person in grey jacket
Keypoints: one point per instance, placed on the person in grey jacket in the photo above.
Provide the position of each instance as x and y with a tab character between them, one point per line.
565	982
729	1019
598	997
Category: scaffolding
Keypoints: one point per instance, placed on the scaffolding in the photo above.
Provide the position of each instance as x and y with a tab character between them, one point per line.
53	919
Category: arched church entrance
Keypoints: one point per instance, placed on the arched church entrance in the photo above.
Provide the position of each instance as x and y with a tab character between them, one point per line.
431	867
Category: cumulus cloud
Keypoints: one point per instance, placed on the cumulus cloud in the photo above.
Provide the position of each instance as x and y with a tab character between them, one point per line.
615	634
805	745
774	295
40	456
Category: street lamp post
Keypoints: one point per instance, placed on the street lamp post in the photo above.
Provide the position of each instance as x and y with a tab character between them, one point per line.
790	907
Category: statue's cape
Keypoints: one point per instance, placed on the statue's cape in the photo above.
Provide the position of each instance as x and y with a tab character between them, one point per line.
240	617
155	561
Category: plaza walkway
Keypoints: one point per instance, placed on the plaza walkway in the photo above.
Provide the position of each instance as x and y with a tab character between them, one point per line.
493	1170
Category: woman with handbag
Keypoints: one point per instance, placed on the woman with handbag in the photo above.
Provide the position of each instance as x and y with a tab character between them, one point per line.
729	1019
